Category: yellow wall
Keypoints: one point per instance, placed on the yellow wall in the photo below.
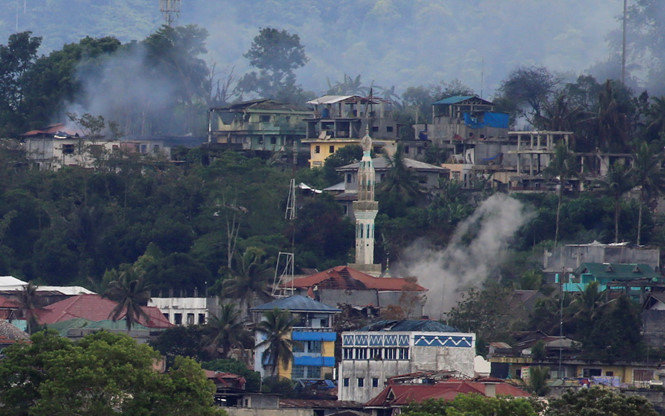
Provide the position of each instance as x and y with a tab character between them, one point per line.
316	159
285	371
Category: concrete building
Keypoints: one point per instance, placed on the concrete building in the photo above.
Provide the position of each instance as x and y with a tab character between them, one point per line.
342	285
570	256
373	354
314	353
186	310
260	125
341	120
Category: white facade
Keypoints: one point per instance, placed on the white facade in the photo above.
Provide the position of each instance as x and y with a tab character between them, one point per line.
53	154
185	311
369	358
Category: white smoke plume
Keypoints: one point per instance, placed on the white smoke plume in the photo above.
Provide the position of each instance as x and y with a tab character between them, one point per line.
476	248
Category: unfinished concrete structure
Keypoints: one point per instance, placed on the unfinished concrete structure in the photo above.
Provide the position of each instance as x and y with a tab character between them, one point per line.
341	120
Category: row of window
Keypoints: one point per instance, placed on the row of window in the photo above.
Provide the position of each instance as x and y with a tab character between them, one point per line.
360	382
376	353
307	346
317	149
305	371
177	318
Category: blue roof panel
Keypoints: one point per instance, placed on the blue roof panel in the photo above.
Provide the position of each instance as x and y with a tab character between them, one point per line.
297	303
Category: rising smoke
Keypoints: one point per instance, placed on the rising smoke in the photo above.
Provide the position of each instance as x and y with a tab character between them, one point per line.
476	248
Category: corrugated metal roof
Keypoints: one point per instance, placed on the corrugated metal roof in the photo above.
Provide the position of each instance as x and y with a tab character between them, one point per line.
296	303
381	163
409	325
619	271
456	99
330	99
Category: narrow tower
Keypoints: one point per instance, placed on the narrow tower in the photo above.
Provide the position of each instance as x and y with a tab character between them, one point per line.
365	210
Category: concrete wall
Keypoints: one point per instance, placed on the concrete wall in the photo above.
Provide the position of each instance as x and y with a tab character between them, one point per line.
427	351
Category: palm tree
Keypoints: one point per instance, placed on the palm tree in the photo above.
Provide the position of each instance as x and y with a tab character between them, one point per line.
562	168
29	301
225	331
616	183
276	326
399	189
251	273
132	294
649	177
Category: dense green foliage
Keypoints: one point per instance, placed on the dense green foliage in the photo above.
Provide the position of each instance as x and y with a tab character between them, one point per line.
172	224
583	402
473	405
102	374
597	401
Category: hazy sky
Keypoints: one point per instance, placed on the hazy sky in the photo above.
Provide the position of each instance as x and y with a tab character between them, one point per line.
397	43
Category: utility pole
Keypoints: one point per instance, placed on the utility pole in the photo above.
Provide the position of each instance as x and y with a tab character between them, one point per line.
623	44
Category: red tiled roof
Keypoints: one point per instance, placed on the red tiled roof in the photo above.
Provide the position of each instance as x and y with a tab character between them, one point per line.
344	277
95	308
403	394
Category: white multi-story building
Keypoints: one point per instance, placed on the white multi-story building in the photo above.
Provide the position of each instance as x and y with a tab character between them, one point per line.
373	354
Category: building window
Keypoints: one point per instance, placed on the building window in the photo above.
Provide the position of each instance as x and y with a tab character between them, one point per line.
155	148
177	318
375	353
361	353
273	140
166	315
202	319
298	372
592	372
332	149
361	382
67	149
345	382
403	353
298	347
348	177
317	149
190	319
264	119
389	129
144	148
375	129
313	372
375	382
347	353
314	346
390	354
406	149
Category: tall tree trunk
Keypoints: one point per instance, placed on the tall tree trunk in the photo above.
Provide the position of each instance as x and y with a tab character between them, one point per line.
616	221
639	223
558	213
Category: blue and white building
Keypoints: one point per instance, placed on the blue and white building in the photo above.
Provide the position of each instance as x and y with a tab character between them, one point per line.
373	354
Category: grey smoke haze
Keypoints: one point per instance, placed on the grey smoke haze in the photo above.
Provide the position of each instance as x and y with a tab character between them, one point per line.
390	42
126	88
476	248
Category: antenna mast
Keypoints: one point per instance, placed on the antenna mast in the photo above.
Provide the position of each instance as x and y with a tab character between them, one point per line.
284	269
170	10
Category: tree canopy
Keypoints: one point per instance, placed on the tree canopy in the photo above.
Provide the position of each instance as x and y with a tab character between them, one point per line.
102	374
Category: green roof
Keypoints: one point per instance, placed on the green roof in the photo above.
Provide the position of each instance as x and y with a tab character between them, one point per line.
63	326
618	271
